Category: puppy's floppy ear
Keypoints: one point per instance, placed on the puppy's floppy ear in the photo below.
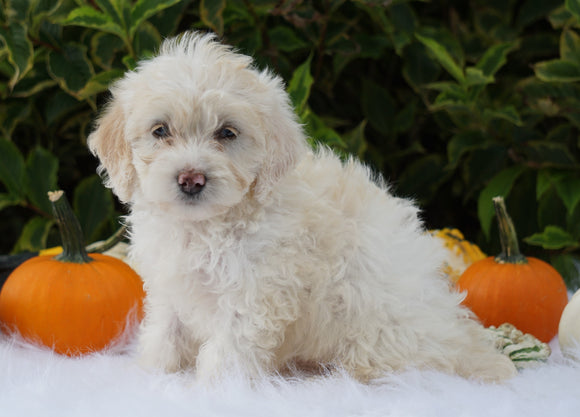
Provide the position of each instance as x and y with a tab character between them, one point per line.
285	141
108	143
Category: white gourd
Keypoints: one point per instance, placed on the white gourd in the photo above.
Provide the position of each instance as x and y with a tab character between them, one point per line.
569	329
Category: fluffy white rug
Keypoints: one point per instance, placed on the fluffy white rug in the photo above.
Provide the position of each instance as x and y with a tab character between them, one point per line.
36	382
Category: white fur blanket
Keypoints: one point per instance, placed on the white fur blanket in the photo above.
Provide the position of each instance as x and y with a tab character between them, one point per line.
35	382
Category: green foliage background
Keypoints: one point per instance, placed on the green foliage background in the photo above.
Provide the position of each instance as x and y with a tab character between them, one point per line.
453	101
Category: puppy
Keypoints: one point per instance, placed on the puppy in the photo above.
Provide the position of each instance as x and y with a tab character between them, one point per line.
257	252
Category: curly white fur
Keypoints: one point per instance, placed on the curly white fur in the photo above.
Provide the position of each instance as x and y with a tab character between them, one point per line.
285	254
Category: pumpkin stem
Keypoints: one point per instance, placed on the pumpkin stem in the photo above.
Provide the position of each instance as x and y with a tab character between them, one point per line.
73	247
510	249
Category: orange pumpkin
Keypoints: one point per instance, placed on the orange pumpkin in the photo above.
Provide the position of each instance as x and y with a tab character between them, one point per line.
72	302
510	288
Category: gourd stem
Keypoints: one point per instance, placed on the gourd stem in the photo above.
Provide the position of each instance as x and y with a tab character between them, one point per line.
510	249
105	245
73	248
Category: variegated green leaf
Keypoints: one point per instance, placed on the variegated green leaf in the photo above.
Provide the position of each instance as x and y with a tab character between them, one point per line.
574	7
41	11
94	19
12	113
552	238
300	84
286	39
211	14
41	177
93	204
462	143
146	40
99	83
443	56
569	191
18	10
35	81
144	9
71	68
355	140
495	57
499	185
509	113
7	200
558	70
570	45
104	47
11	168
34	235
475	76
19	49
117	10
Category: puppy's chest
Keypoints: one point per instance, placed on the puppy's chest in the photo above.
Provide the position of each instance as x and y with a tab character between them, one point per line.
217	258
189	256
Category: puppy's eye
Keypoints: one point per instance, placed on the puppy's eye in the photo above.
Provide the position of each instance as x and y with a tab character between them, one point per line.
160	130
226	133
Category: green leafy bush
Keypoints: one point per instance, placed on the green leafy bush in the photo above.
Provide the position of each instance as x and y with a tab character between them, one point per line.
453	101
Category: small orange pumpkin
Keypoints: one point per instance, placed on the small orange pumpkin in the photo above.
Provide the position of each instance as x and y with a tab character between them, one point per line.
510	288
72	302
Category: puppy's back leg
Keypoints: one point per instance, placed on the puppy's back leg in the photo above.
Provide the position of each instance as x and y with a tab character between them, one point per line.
479	359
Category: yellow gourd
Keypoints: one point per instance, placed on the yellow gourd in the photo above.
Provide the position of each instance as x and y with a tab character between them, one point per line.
460	252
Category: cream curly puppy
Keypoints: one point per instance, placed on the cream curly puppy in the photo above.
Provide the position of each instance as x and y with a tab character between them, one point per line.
255	251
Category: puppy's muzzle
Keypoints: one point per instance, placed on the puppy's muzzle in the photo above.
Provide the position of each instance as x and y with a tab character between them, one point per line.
191	182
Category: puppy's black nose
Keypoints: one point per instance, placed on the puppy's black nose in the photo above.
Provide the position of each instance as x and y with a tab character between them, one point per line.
191	182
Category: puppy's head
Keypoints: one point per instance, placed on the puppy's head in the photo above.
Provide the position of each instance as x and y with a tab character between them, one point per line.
195	130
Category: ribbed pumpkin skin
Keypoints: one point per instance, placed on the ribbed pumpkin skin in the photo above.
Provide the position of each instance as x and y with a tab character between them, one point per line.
530	296
70	307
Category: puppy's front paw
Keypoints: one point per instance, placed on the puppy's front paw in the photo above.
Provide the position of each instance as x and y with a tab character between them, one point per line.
210	365
165	359
214	362
157	351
